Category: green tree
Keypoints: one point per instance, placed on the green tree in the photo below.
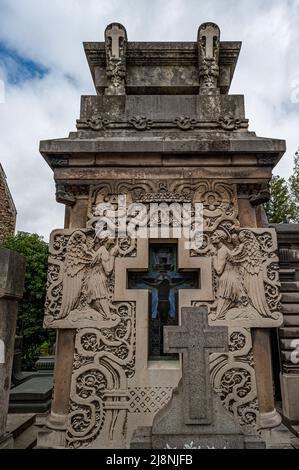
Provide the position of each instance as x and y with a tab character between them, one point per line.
283	206
31	308
294	181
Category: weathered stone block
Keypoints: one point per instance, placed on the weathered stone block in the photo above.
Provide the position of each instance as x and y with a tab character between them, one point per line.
290	396
12	273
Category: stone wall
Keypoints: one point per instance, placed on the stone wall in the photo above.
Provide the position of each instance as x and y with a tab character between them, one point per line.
8	211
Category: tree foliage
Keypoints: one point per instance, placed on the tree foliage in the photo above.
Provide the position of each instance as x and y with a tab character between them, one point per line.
31	308
283	206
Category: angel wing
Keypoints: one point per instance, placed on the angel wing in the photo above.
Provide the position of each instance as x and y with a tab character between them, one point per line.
74	273
252	274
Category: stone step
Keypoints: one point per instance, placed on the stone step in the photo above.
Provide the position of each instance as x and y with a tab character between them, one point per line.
33	396
279	438
27	440
291	320
289	332
289	344
289	368
287	356
295	443
290	286
290	309
290	297
23	430
19	423
287	273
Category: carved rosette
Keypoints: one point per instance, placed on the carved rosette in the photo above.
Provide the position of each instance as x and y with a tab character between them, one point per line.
229	122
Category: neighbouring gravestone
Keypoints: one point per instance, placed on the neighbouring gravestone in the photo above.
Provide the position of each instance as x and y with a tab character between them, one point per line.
12	275
18	376
194	417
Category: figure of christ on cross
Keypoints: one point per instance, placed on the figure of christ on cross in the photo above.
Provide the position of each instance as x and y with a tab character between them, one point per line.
164	280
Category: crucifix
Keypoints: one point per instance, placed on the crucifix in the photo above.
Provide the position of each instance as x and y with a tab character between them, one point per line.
196	340
116	34
208	36
164	281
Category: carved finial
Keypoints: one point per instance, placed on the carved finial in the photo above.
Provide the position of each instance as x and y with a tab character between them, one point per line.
116	49
208	52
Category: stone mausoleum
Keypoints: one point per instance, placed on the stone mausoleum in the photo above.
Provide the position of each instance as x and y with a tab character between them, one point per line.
162	343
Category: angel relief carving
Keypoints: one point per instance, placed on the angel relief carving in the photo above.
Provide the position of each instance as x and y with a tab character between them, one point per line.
81	279
246	292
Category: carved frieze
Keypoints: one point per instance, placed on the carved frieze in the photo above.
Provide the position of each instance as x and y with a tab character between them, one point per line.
100	123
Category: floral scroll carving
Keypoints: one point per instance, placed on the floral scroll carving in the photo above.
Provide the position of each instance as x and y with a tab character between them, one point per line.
233	379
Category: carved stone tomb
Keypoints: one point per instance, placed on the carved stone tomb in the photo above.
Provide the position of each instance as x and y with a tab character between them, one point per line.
161	132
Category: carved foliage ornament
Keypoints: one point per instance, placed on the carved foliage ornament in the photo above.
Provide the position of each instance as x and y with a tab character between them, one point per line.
233	378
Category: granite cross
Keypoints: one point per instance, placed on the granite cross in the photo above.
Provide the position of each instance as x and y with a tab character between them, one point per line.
115	34
196	340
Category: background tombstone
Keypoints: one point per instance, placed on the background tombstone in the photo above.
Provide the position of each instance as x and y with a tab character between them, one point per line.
195	418
12	275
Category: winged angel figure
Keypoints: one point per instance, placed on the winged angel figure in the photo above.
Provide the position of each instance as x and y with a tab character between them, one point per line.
240	275
88	271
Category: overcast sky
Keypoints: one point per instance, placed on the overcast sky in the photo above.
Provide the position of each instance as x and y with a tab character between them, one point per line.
45	71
